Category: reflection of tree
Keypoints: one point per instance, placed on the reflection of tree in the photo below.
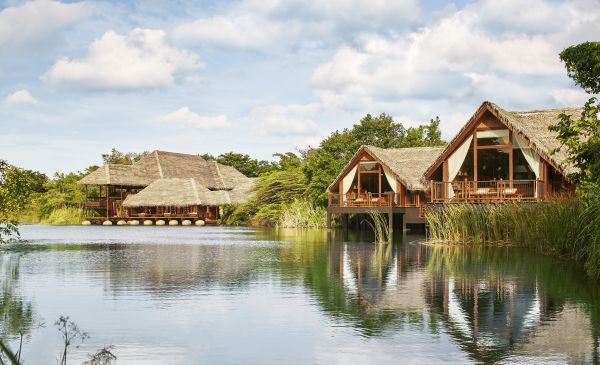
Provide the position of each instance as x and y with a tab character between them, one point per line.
493	301
16	314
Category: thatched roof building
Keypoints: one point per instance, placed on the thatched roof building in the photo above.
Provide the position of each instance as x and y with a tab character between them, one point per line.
407	165
180	192
531	126
167	165
174	179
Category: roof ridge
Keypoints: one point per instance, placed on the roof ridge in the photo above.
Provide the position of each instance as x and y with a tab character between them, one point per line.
194	189
220	176
160	172
107	172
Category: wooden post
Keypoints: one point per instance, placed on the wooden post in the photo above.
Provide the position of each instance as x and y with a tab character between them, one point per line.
107	195
390	225
328	221
445	179
510	159
475	167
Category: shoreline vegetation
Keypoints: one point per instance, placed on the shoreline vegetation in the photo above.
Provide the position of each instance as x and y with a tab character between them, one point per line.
565	227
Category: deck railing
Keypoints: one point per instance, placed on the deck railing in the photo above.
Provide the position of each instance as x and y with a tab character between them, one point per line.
485	191
388	199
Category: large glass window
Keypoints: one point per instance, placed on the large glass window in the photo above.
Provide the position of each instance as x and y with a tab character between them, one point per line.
492	164
521	168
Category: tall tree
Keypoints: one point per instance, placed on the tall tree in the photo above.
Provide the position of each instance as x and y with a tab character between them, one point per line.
581	136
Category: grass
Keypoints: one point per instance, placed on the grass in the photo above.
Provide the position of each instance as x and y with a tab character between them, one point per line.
566	228
302	214
64	217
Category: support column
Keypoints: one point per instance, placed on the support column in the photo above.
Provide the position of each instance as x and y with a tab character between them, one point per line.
345	218
328	222
390	225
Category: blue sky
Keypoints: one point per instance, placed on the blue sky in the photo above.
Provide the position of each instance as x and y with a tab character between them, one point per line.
266	76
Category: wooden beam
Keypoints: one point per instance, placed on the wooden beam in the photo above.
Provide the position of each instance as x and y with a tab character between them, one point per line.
510	158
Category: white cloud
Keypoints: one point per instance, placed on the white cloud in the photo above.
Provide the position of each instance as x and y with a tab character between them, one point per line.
38	20
461	58
288	120
570	97
186	118
275	24
21	97
245	31
140	59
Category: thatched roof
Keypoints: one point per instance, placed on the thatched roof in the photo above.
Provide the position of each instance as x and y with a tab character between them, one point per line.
167	165
531	126
179	192
406	164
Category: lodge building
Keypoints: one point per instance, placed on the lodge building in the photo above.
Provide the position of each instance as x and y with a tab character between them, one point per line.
163	187
497	156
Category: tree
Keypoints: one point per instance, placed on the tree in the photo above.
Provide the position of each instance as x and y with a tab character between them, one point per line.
16	186
583	65
243	163
324	163
581	137
117	157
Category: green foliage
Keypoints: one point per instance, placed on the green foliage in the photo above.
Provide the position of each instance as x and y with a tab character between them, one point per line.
124	158
62	195
564	228
583	65
16	186
271	193
302	213
243	163
324	163
581	137
64	217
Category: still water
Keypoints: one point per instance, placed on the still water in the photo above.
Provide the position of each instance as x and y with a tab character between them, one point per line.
215	295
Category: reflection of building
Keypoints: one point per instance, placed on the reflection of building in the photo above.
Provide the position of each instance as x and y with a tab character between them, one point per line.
504	319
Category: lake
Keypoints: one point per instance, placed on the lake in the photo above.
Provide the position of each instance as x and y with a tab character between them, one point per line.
220	295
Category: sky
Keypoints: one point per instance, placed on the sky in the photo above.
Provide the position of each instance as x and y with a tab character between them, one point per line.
78	78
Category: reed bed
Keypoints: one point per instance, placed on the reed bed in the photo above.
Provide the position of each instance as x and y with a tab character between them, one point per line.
64	217
566	228
302	214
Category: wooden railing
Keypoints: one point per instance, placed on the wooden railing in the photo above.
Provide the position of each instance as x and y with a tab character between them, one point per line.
388	199
95	203
486	191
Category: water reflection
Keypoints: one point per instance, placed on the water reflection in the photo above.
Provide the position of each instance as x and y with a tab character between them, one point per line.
16	312
489	305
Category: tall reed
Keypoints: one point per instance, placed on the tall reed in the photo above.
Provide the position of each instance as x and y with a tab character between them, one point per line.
302	214
567	228
379	224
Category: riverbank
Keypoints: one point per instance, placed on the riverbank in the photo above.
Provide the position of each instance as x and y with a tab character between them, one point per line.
564	228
